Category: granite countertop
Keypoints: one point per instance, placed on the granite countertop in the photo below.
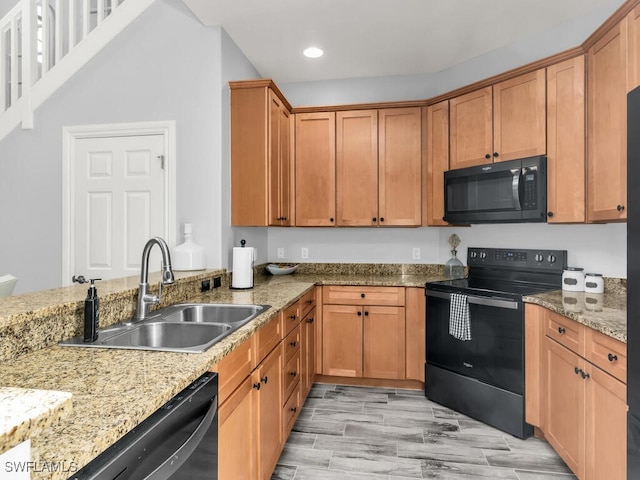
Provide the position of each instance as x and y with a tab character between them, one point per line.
604	312
114	390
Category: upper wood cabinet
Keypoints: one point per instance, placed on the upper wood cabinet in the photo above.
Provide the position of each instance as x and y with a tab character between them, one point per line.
503	122
315	161
379	166
566	150
633	46
261	170
437	125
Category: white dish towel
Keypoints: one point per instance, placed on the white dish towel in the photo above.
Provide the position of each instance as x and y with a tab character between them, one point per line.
459	324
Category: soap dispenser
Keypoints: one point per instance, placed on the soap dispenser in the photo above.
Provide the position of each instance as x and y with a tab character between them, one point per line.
91	309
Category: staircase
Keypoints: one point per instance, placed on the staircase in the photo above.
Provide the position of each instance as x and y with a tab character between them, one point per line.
44	42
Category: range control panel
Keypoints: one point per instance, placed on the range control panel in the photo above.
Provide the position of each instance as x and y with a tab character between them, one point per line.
518	259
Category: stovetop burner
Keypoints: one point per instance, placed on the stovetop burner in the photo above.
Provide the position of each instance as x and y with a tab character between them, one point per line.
508	272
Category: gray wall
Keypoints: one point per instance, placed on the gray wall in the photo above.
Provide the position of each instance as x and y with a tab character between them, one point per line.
165	66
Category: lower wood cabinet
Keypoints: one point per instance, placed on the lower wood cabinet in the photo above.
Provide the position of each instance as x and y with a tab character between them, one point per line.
580	407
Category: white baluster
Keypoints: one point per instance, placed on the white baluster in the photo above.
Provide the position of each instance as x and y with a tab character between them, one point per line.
71	19
46	47
58	31
14	60
100	16
29	59
86	18
3	71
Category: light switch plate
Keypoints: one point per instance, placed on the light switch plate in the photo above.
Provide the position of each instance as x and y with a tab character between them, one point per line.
280	253
416	254
304	252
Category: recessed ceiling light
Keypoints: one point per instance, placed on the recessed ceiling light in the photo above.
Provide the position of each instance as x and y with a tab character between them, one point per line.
313	52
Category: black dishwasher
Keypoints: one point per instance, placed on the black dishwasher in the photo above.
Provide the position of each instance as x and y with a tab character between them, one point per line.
179	441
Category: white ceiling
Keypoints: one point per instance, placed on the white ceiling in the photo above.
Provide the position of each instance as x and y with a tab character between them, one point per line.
370	38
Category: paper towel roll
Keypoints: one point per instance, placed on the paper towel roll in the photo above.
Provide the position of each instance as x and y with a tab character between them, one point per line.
242	267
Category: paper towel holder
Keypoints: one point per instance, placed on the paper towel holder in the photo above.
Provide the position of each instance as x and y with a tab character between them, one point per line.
242	271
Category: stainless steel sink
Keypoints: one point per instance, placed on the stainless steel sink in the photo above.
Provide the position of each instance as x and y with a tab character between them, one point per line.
189	327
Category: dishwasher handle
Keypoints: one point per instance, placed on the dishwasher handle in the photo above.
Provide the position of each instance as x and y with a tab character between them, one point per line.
182	453
476	300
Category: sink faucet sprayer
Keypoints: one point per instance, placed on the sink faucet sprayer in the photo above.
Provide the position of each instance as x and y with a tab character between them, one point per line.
144	297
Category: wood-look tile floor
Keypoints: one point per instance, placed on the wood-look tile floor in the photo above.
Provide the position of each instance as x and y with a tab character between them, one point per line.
355	433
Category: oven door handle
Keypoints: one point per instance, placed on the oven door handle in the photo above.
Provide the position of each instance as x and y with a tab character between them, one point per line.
177	459
484	301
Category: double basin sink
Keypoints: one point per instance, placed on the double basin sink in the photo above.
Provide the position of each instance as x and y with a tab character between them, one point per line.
186	327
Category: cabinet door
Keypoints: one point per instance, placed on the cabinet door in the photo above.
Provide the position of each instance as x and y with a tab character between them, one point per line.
269	412
606	435
519	119
565	395
315	162
342	340
384	342
415	333
607	127
471	124
566	154
279	162
357	168
237	455
308	352
437	162
400	166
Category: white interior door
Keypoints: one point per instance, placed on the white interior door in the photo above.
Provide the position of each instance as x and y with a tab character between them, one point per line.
118	203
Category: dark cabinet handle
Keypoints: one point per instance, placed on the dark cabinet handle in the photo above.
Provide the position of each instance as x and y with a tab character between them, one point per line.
264	379
293	374
256	386
495	154
359	314
487	156
612	358
366	314
620	208
577	370
310	320
331	219
561	330
362	295
292	317
549	214
309	302
294	344
294	409
584	375
382	219
284	218
374	219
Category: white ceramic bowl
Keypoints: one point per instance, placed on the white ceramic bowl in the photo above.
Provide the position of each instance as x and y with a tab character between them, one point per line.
282	269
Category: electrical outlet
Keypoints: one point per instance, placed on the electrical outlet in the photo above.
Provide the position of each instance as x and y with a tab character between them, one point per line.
281	253
304	252
416	254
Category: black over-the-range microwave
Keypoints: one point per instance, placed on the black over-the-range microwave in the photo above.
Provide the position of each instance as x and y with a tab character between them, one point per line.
511	191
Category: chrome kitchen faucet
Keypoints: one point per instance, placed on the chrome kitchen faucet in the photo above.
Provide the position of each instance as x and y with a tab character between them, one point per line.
144	297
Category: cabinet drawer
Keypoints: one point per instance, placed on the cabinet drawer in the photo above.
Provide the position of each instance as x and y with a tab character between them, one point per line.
291	375
307	302
607	353
267	338
291	317
566	332
291	410
291	343
338	295
234	368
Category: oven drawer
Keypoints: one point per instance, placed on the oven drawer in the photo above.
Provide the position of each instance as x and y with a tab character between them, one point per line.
340	295
566	332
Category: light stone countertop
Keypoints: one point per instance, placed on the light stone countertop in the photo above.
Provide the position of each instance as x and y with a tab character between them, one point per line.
114	390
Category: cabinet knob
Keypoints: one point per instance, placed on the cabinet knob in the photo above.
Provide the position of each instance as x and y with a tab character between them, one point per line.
359	314
264	379
294	344
620	208
256	386
549	214
310	320
577	370
382	219
293	374
294	409
366	314
584	375
612	358
561	330
495	154
374	219
487	156
362	295
292	317
331	219
309	302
